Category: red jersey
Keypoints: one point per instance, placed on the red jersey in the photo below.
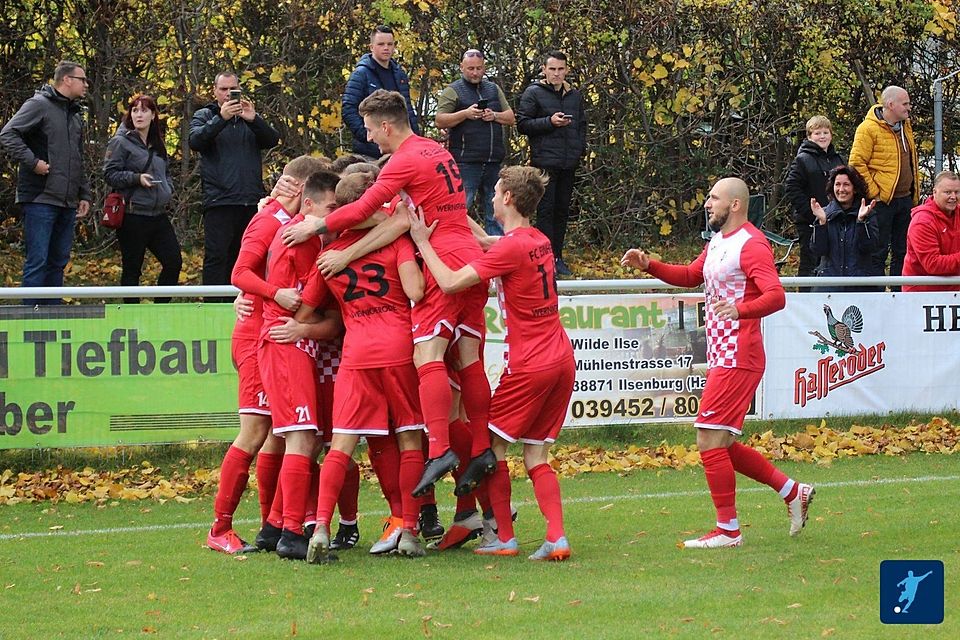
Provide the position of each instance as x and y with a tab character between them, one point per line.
249	271
289	268
737	267
523	265
429	175
376	311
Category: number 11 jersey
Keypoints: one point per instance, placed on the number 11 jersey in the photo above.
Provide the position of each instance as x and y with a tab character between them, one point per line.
523	265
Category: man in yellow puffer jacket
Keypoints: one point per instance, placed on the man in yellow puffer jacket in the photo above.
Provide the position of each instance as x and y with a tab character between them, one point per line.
885	154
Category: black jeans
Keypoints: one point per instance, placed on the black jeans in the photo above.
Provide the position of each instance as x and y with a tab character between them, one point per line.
155	233
554	209
894	219
223	228
808	261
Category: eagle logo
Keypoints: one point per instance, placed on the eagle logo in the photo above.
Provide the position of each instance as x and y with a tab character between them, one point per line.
840	331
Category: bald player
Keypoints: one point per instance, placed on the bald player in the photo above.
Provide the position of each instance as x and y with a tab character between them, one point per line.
741	286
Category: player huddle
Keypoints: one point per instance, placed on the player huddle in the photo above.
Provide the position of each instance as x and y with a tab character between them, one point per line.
331	255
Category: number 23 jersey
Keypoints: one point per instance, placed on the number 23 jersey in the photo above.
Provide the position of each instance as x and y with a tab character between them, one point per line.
376	311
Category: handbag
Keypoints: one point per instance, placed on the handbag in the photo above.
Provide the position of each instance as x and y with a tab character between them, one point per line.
115	204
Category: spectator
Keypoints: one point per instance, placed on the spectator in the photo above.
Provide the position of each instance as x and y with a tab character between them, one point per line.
846	234
885	154
375	70
46	138
136	165
475	110
933	239
552	115
806	179
230	137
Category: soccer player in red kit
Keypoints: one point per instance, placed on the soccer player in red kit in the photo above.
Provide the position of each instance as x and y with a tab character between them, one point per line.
289	370
427	175
531	400
741	286
254	409
376	391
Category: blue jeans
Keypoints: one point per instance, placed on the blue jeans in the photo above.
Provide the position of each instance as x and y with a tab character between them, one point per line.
47	238
479	178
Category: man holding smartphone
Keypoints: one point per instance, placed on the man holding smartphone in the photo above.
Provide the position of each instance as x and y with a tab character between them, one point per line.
474	110
552	115
230	137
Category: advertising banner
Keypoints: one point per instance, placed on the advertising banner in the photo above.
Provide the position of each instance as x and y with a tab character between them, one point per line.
95	375
640	358
854	353
102	375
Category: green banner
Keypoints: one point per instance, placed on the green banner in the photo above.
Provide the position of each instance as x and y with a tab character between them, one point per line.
97	375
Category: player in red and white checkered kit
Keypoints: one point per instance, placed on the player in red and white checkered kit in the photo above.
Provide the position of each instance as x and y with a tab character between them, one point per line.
741	286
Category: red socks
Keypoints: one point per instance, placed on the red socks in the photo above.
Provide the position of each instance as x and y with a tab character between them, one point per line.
234	473
310	505
751	463
347	502
499	487
475	391
268	474
385	460
295	484
411	468
332	474
547	490
435	401
722	481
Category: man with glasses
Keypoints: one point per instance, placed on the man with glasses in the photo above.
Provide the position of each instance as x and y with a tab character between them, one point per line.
46	138
933	238
475	110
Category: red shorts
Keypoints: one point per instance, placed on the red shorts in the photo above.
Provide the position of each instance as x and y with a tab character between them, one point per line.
289	376
325	394
726	398
368	402
251	398
328	363
449	316
530	406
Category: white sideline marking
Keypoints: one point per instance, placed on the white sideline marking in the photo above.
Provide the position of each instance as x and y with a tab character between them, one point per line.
60	533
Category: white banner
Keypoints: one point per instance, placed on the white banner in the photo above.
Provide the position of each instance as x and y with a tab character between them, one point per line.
640	358
854	353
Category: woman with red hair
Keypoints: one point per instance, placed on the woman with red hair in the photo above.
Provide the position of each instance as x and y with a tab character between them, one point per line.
136	166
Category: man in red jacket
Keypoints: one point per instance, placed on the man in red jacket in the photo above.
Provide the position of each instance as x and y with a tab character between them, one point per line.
933	239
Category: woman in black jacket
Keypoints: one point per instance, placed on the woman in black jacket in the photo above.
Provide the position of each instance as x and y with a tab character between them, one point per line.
136	165
846	233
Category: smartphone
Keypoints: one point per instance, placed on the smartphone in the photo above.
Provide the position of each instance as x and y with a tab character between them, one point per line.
155	181
567	116
482	103
235	94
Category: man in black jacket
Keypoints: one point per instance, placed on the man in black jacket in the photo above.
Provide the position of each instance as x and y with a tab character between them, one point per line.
552	115
46	138
806	179
230	136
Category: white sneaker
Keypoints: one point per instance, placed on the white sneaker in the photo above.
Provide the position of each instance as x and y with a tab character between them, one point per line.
797	508
489	535
391	537
716	539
